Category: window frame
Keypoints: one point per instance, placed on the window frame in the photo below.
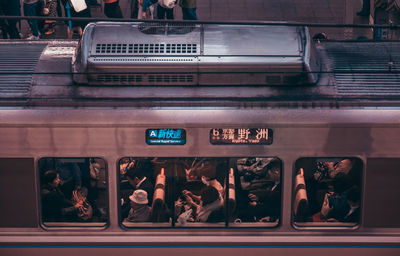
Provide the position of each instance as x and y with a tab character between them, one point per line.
334	225
227	224
64	225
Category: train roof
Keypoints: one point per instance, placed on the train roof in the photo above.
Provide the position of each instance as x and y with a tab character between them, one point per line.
355	73
134	53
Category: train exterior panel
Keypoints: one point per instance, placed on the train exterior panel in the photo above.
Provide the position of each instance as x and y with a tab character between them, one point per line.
30	135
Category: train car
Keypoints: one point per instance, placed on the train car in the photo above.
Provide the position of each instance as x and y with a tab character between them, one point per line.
145	166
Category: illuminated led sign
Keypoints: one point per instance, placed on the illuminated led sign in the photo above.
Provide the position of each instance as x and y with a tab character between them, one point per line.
165	136
253	136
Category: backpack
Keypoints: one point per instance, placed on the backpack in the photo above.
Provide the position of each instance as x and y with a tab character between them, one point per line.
168	4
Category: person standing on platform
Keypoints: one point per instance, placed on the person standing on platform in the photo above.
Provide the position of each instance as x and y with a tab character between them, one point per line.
9	27
112	9
165	8
189	9
147	9
134	9
76	27
50	10
30	9
366	8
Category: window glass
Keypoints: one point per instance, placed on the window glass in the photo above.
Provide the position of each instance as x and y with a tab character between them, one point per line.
258	191
191	192
327	191
73	191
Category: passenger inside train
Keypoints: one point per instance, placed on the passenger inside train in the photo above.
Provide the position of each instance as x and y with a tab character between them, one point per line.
328	190
73	190
139	176
56	207
140	210
208	207
206	191
259	189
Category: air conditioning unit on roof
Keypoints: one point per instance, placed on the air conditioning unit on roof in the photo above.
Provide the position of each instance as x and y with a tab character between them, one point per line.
116	53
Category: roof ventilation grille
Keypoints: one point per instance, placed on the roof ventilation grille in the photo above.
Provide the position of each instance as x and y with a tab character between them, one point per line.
172	78
112	49
123	79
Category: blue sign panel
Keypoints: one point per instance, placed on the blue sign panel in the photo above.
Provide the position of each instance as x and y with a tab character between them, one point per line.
165	136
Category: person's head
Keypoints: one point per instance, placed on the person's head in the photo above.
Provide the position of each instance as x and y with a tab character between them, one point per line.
274	171
52	178
340	183
320	36
137	172
191	174
138	198
209	195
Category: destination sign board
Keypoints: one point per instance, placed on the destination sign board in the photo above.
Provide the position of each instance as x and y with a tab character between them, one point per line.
165	136
253	136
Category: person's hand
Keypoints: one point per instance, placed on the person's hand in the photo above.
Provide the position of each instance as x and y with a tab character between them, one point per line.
189	200
144	15
253	203
253	200
252	197
265	219
79	204
125	166
187	193
326	208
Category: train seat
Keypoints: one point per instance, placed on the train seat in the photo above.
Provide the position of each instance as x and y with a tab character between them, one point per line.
300	204
231	193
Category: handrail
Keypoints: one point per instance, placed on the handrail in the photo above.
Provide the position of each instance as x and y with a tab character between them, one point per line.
232	22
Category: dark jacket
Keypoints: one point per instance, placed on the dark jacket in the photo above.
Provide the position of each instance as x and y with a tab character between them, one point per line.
217	215
55	206
147	186
269	203
188	4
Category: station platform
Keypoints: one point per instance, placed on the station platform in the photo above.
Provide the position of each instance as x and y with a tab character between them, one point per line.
305	11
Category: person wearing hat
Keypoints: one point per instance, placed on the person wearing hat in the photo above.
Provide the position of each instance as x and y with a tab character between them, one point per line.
140	211
138	178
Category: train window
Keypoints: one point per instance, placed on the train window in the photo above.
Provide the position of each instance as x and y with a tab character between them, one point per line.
258	192
73	192
191	192
327	192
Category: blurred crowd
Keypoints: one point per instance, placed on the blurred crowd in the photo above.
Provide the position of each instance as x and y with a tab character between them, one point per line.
139	9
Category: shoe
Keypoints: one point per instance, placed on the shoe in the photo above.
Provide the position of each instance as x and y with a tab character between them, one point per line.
49	31
362	13
32	37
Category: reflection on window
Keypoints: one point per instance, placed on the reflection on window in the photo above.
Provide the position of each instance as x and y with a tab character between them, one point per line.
327	191
73	190
194	191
